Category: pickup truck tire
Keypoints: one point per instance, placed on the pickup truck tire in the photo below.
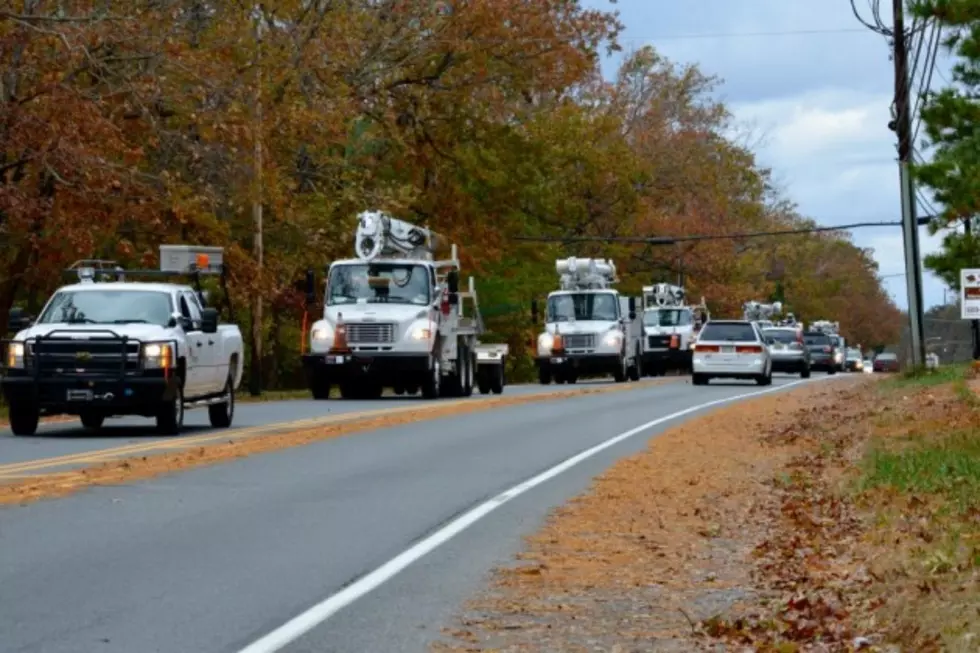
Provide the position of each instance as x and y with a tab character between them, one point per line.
92	421
320	389
544	375
221	415
24	419
497	378
170	415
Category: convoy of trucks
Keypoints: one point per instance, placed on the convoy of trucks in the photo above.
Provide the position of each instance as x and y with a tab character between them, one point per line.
396	317
106	346
590	329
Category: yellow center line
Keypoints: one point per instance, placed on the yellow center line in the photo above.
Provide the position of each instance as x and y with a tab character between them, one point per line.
103	455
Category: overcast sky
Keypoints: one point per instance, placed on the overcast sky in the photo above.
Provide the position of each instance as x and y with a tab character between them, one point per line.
820	101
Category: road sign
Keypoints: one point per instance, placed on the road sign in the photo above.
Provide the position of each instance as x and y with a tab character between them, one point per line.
970	294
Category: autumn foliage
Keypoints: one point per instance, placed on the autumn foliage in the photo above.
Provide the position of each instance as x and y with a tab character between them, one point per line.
124	126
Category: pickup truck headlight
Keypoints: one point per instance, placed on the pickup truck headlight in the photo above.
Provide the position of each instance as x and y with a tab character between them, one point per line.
421	333
545	341
15	355
158	356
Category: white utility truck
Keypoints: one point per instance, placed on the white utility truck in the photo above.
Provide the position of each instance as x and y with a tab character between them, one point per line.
107	347
832	329
762	314
590	329
670	327
394	317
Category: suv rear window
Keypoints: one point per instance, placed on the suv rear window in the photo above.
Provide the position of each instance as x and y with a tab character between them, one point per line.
729	332
781	335
817	339
887	357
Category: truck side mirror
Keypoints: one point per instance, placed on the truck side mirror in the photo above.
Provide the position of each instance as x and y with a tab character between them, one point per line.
632	308
534	311
209	320
452	282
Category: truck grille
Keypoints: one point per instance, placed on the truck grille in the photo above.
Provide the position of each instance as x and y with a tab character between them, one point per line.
95	356
362	333
578	340
658	342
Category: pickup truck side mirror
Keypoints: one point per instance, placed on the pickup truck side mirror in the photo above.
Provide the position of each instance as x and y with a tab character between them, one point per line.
534	311
209	320
632	308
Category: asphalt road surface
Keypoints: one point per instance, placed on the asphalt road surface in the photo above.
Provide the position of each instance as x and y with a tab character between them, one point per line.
250	555
67	438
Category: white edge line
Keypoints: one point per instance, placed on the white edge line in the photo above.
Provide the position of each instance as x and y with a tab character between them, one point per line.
319	613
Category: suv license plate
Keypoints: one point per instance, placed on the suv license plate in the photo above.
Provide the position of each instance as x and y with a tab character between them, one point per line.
728	350
79	395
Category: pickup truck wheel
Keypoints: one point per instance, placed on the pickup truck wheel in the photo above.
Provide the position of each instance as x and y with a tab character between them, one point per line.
483	380
24	419
320	389
92	421
170	415
222	414
544	375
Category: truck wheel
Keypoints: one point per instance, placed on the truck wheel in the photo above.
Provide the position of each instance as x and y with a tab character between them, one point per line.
92	420
483	381
24	419
221	415
699	379
432	385
319	388
805	372
497	379
544	375
470	382
621	372
170	416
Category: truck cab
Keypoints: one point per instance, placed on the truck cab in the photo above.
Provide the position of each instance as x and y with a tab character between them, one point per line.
101	349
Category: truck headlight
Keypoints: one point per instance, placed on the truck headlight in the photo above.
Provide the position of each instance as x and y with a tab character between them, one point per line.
613	339
158	355
320	335
421	333
15	355
545	341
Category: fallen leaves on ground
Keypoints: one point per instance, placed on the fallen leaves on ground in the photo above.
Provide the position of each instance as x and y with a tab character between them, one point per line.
747	529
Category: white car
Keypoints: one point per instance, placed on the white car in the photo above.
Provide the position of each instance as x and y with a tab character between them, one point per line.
731	349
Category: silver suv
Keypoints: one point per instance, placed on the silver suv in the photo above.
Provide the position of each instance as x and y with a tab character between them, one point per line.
789	353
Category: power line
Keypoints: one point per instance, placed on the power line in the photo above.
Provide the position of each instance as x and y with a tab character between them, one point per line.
670	240
726	35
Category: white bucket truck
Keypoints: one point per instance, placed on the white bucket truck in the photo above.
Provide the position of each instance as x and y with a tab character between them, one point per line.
590	329
762	314
107	347
670	327
394	317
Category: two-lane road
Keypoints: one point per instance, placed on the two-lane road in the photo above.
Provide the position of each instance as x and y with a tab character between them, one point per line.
217	558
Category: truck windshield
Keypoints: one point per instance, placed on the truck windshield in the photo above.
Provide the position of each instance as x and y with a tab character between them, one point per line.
667	317
391	283
583	306
108	307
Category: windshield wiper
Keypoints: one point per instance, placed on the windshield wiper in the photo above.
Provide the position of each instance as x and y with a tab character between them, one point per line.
81	320
130	322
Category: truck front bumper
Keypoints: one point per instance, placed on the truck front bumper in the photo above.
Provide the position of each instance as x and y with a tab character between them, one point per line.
667	359
78	394
337	368
580	363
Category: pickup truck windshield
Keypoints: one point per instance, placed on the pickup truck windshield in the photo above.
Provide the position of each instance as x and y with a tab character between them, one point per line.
668	317
583	306
387	283
108	307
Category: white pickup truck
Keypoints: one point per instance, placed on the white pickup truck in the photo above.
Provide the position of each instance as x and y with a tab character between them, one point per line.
102	349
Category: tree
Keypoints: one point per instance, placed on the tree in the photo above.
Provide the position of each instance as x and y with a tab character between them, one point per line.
951	120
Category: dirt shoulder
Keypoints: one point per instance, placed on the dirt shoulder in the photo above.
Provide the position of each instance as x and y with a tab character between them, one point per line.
796	521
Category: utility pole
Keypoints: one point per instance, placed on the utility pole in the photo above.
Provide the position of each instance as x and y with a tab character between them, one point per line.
255	380
910	228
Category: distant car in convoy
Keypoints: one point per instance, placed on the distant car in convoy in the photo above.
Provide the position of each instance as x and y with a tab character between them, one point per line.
822	351
886	362
787	350
853	361
731	349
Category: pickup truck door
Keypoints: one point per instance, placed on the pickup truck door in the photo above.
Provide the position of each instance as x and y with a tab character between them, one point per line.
196	380
217	359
